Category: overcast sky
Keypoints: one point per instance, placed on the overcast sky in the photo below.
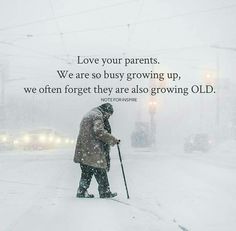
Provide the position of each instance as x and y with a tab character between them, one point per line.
188	36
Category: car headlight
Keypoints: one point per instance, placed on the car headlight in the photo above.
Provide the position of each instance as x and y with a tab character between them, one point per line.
42	138
50	138
58	140
4	139
16	142
26	138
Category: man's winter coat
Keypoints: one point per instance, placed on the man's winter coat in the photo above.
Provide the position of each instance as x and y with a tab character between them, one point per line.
91	143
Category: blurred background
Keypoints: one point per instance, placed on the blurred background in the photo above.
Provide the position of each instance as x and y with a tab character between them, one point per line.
197	39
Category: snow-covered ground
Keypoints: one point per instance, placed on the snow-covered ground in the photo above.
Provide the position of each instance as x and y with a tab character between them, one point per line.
169	191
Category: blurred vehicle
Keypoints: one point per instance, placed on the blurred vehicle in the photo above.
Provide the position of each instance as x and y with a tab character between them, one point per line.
197	142
41	139
140	137
6	141
63	141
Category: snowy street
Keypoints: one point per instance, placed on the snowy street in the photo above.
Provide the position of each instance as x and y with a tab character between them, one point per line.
169	191
81	79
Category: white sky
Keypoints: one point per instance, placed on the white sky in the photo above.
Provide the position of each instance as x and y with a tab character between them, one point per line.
38	37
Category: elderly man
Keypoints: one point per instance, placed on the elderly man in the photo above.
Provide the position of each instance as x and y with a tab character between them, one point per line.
92	151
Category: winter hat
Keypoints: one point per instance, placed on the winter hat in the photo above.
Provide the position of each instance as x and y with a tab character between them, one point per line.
107	107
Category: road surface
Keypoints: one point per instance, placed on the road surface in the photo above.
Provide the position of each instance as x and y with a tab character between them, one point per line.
168	190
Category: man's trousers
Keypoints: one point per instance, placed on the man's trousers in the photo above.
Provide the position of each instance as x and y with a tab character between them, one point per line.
100	176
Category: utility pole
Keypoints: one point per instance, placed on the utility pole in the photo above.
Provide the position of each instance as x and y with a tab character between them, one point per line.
2	88
232	49
3	82
218	92
2	98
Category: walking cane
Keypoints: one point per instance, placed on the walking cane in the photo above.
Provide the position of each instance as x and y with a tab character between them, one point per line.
121	163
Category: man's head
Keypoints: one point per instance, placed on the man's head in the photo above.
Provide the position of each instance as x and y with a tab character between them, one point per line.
107	109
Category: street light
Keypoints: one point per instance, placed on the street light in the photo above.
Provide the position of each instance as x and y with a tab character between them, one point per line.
152	107
154	102
209	77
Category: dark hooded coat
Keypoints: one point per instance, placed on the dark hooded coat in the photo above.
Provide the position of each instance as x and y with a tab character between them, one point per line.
94	140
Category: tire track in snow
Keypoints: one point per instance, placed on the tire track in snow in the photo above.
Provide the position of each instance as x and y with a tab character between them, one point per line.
149	211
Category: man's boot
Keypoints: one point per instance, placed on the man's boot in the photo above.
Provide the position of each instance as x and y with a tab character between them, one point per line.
84	194
108	195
